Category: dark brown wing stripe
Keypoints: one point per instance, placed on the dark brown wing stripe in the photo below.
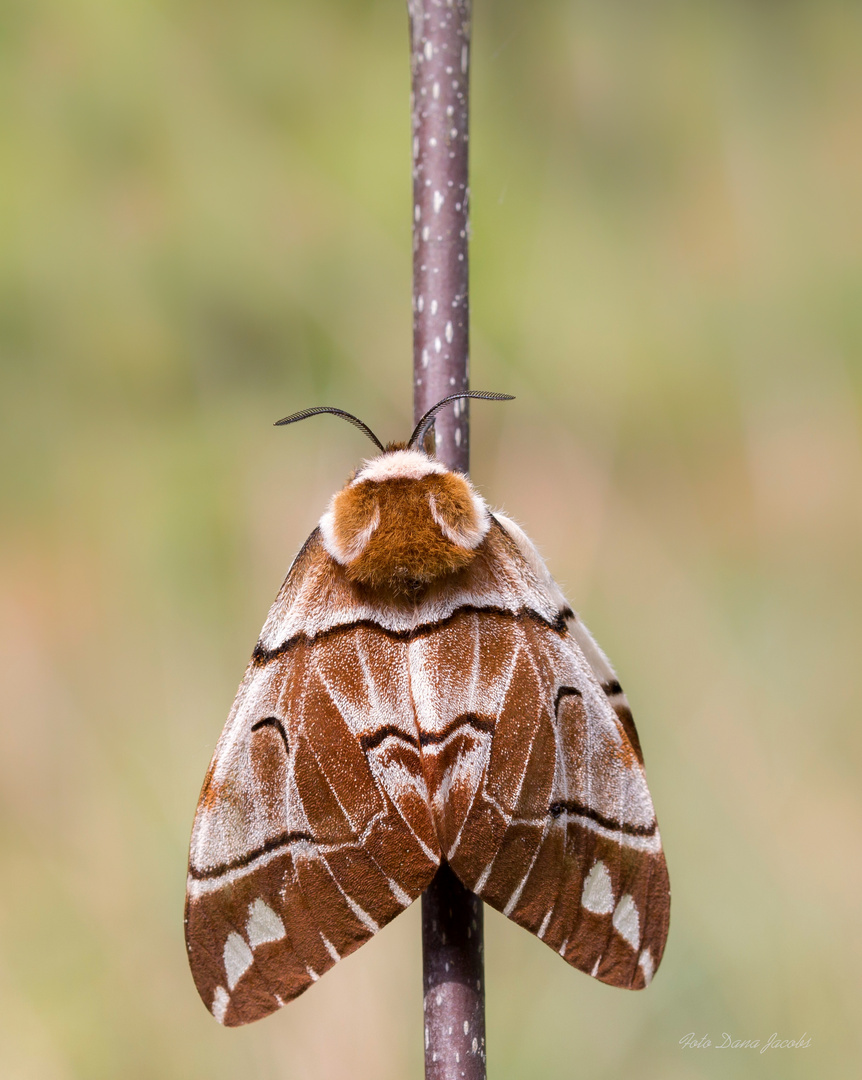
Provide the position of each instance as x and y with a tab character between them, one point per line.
262	655
273	721
478	723
389	731
557	809
624	714
284	840
563	692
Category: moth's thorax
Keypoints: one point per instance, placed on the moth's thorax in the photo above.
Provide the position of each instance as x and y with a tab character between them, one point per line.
404	520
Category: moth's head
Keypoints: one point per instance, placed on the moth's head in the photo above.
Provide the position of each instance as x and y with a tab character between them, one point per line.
404	519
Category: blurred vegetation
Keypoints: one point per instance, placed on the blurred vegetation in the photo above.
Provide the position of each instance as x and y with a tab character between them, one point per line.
205	213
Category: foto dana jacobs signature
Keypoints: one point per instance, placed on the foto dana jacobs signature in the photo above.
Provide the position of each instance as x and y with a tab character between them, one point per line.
727	1042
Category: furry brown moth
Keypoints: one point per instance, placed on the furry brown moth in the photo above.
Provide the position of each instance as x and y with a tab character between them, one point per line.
421	690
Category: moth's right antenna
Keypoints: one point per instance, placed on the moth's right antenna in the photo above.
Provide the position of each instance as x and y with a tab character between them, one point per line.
427	420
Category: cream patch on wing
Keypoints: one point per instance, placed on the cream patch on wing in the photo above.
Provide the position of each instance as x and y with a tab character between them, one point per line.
263	924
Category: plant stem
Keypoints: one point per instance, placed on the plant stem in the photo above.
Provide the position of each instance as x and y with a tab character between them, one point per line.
452	950
440	64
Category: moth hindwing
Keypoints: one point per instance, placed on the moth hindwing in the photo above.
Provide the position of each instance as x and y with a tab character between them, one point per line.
420	690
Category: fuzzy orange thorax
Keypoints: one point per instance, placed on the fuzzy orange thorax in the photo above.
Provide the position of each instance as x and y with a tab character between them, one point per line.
403	531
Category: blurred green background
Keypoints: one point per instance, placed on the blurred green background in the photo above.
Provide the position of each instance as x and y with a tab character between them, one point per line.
204	225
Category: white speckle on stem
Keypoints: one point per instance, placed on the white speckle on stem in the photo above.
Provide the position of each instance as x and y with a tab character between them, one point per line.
432	141
450	333
457	436
424	358
426	232
450	110
429	50
433	307
420	302
465	59
438	344
417	212
439	199
435	90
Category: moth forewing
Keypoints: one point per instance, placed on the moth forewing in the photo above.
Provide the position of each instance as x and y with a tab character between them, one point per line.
420	690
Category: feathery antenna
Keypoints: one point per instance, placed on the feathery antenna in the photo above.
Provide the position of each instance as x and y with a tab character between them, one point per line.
292	419
428	419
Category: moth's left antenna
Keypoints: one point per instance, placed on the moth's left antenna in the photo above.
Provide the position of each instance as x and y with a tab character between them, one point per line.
292	419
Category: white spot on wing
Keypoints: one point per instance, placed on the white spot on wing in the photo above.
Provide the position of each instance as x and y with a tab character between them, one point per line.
362	915
399	894
483	879
220	1003
598	894
627	921
312	973
545	922
263	924
237	959
645	963
330	948
595	970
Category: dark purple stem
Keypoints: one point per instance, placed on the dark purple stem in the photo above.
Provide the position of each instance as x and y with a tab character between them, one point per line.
452	950
440	64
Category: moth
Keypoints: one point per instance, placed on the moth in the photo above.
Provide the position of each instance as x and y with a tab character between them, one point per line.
421	690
